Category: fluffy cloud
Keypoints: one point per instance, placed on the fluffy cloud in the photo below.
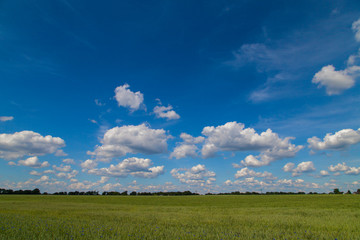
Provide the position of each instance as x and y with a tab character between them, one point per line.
324	173
188	147
88	164
166	112
301	168
67	175
138	167
246	172
334	81
197	175
126	98
119	141
234	137
342	167
33	162
356	28
5	118
62	168
30	143
68	161
338	141
247	182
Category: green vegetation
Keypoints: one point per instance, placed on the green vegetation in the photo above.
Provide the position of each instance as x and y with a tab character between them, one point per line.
180	217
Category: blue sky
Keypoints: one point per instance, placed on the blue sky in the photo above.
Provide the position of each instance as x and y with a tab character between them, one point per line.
205	96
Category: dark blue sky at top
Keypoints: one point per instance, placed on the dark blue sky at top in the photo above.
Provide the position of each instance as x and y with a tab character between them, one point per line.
57	57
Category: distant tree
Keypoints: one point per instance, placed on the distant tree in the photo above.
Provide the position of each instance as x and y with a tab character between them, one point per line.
358	191
337	191
348	192
125	193
36	191
133	193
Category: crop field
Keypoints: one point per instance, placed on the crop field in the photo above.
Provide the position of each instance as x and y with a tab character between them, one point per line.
181	217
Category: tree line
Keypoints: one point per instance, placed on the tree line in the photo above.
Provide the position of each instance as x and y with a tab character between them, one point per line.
36	191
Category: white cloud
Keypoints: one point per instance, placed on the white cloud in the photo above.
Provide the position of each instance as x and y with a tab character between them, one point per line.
67	175
197	175
33	162
338	141
288	167
35	173
138	167
184	150
342	167
166	112
334	81
89	164
188	147
356	28
301	168
6	118
232	136
324	173
119	141
62	168
246	172
353	171
30	143
126	98
68	161
111	186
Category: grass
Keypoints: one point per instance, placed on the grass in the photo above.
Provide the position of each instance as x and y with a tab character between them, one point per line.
182	217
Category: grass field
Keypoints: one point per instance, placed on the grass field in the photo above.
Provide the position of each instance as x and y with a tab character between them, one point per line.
182	217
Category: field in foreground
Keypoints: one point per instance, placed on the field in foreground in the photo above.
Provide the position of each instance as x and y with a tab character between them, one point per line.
182	217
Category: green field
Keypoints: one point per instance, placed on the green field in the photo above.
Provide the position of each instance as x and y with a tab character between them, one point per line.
182	217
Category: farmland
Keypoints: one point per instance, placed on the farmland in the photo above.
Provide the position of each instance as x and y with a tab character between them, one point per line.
181	217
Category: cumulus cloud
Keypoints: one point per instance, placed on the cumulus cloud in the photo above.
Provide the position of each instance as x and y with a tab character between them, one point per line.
188	147
89	164
67	175
197	175
248	182
337	141
138	167
126	98
166	112
6	118
68	161
342	167
324	173
23	143
335	82
119	141
246	172
33	162
301	168
62	168
232	136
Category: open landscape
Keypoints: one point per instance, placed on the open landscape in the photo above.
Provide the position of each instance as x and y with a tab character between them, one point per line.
180	217
165	120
